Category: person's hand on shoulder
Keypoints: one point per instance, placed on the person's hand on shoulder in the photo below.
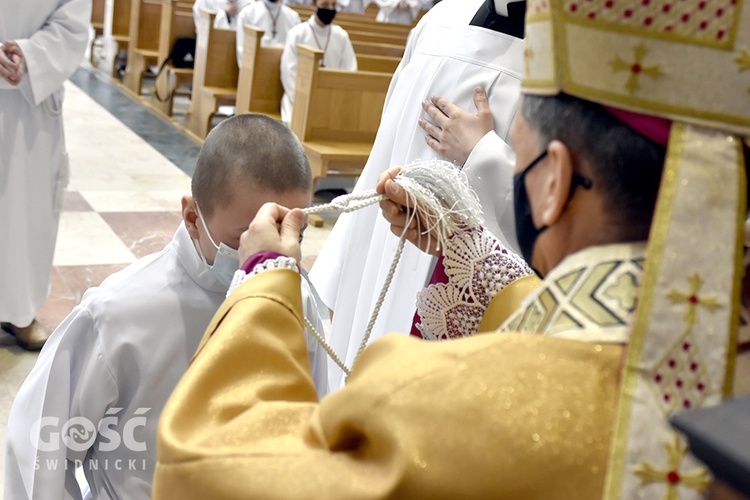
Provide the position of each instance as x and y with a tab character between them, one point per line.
453	132
274	229
401	221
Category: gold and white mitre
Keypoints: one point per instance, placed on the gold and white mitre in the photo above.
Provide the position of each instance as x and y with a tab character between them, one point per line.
687	61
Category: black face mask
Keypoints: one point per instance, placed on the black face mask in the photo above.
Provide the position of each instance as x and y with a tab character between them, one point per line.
326	15
526	232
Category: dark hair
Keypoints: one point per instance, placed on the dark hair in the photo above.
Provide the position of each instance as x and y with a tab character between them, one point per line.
250	147
625	165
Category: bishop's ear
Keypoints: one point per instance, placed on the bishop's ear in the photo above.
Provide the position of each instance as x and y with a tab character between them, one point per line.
190	216
557	183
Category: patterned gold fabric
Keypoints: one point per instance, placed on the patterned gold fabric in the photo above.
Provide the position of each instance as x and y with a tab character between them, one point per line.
687	61
593	290
490	416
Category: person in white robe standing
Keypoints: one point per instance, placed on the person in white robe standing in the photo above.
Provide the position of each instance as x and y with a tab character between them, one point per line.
450	53
94	398
317	32
271	16
42	42
398	11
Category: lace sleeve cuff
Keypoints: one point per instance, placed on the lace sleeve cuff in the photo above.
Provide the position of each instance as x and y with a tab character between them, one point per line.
476	267
256	264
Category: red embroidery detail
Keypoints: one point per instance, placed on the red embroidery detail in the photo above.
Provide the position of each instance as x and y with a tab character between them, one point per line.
592	15
636	68
719	12
685	18
703	25
702	5
678	382
672	363
657	378
628	13
667	397
648	21
673	477
693	298
685	346
573	7
700	386
609	4
666	8
646	2
693	366
720	35
668	28
686	403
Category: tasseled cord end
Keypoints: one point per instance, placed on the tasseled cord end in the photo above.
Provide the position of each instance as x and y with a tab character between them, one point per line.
443	202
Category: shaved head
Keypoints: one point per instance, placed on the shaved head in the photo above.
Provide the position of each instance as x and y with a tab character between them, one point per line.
249	149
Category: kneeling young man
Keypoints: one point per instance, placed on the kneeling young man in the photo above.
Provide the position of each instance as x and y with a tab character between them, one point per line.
95	395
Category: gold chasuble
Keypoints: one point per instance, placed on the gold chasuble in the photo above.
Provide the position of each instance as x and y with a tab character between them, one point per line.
491	416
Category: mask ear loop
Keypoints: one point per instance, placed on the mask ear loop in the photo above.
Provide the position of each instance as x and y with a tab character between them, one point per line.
203	220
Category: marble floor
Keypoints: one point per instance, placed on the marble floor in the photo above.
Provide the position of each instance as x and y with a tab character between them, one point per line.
128	172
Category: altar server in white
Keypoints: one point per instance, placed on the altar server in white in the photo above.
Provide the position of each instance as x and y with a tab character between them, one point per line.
398	11
317	32
271	16
227	11
94	398
41	44
356	6
453	50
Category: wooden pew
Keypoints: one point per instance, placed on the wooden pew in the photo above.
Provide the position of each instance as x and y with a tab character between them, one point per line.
368	36
145	20
377	64
378	49
176	21
215	75
97	22
336	114
116	29
259	89
97	16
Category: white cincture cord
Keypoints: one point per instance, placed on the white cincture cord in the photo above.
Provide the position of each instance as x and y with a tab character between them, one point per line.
345	204
441	199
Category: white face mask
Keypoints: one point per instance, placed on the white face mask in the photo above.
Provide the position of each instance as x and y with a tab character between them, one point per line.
227	260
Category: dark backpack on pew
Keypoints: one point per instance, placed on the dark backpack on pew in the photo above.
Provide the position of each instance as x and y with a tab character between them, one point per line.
182	56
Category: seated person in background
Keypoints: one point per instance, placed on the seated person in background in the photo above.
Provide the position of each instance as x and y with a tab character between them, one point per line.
112	363
271	16
571	397
398	11
356	6
226	11
317	32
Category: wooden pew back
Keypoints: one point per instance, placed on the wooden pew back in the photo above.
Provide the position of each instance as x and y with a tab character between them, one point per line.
378	64
121	20
176	22
259	89
215	73
336	113
378	49
145	20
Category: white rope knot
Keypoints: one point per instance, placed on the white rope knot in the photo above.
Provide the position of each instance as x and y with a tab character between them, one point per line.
438	196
